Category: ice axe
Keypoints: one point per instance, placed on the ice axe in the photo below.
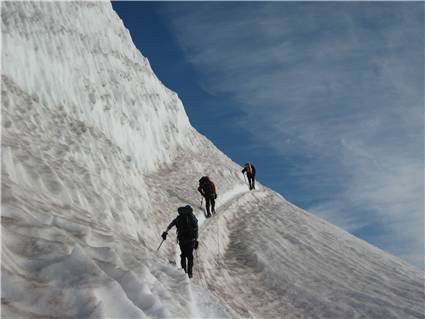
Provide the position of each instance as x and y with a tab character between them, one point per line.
160	245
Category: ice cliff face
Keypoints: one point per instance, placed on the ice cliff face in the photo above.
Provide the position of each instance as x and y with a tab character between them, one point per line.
81	60
96	156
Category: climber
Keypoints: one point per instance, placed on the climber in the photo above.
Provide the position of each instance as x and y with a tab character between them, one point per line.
208	191
187	236
250	173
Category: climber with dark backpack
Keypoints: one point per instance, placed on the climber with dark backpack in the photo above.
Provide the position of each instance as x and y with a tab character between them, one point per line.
208	191
187	236
250	173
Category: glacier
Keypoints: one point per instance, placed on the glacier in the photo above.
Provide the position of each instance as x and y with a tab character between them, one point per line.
97	154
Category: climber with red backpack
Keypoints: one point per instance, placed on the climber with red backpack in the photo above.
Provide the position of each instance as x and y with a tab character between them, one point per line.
208	191
250	173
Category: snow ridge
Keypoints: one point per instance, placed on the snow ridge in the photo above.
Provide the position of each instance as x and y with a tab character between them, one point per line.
97	155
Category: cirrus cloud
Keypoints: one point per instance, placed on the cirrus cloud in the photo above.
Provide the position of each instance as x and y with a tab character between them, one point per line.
340	85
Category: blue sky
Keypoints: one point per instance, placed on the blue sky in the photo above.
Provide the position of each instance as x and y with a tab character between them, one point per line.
325	98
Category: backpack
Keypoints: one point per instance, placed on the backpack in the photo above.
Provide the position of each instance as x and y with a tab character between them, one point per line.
187	225
206	185
248	168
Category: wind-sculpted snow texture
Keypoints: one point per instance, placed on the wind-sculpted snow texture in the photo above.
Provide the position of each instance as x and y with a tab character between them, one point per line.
97	155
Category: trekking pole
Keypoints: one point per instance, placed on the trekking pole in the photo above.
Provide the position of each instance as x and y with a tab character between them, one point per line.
218	241
160	245
201	203
197	263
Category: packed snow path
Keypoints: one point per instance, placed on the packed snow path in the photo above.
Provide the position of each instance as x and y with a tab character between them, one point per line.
284	265
97	154
264	257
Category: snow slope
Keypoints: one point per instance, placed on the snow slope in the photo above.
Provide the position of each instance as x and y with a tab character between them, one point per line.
97	155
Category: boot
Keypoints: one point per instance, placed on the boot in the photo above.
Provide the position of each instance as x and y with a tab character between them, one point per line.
190	266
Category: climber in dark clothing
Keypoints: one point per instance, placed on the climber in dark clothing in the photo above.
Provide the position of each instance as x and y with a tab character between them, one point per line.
250	173
207	189
187	235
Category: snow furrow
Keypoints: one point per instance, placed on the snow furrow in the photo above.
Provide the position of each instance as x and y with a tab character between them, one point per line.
97	155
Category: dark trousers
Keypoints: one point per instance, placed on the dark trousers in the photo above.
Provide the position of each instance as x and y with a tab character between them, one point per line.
210	201
186	248
251	180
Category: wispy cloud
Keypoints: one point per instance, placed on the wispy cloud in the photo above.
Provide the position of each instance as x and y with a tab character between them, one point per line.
341	84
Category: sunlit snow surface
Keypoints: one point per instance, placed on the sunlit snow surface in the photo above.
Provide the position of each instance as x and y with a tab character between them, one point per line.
97	155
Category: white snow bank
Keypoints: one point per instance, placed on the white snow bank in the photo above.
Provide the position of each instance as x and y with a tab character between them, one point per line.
80	59
96	157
